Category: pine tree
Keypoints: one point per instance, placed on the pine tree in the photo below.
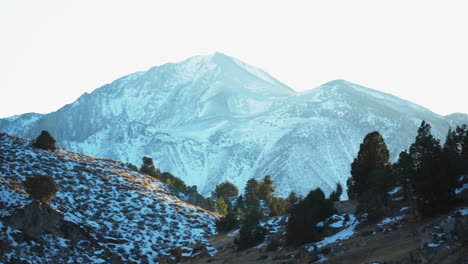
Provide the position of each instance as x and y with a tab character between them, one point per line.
431	183
373	155
277	206
465	152
251	193
221	206
211	206
430	172
301	227
370	176
240	205
452	160
373	202
291	201
425	144
336	194
462	146
227	223
266	188
430	186
251	232
403	172
226	190
45	141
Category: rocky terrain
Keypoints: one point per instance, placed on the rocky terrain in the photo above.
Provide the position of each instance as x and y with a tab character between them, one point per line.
400	239
104	212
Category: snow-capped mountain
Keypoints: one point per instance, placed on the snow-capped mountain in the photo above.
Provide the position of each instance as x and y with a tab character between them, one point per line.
214	118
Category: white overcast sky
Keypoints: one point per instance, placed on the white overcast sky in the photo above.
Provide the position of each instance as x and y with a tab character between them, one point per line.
51	52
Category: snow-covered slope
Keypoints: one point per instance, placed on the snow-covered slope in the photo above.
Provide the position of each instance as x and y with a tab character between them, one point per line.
214	118
132	216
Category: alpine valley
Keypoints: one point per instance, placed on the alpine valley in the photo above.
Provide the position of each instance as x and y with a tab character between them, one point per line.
214	118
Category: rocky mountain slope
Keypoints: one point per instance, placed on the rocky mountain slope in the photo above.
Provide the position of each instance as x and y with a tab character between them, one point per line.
103	213
214	118
397	239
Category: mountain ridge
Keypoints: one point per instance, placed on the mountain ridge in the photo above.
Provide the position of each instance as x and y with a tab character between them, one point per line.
209	122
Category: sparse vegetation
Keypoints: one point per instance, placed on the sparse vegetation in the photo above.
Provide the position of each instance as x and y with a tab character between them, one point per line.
167	178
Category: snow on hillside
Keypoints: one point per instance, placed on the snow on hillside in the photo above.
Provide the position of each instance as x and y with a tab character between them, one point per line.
214	118
132	216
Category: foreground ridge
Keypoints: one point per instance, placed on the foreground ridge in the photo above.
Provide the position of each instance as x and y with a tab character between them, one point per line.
103	213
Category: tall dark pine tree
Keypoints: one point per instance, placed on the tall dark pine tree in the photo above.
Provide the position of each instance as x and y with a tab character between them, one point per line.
266	188
251	232
462	141
240	205
370	177
301	227
373	155
465	153
404	171
227	223
431	183
251	193
425	144
291	201
451	157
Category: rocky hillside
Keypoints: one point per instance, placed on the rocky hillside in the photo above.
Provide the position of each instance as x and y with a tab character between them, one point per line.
400	238
214	118
103	213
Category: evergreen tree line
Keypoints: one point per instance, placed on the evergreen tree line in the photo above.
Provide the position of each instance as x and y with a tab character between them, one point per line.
260	202
247	210
428	173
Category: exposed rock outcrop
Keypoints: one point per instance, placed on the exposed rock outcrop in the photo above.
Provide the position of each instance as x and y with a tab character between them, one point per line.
37	219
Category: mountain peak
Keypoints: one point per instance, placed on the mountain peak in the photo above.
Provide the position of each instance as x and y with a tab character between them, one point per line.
233	73
341	83
347	86
212	58
336	82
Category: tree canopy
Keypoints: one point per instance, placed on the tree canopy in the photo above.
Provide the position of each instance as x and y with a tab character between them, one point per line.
45	141
41	187
225	190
